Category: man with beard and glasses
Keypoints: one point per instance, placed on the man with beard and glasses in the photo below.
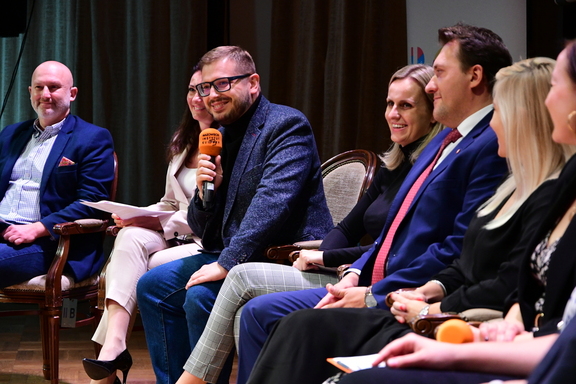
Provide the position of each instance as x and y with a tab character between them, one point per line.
268	190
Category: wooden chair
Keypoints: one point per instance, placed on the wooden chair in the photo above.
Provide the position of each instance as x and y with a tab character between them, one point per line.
346	177
49	291
426	325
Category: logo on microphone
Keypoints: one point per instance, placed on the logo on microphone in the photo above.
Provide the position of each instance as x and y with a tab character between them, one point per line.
210	139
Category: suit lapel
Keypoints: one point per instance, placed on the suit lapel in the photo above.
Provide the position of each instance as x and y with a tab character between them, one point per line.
176	164
460	147
420	165
248	142
21	138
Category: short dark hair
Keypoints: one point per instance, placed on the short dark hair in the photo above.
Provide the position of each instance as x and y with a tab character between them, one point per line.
478	46
244	62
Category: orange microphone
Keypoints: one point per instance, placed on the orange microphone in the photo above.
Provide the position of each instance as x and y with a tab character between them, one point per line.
210	143
454	331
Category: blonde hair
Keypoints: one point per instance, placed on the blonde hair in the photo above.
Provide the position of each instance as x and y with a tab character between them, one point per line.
421	75
532	156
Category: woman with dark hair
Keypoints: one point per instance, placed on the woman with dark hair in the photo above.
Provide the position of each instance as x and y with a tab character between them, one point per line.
145	242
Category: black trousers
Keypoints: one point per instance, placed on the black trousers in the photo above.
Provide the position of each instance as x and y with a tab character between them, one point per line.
418	376
297	349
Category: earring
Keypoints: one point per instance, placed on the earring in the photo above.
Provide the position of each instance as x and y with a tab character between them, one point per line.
570	116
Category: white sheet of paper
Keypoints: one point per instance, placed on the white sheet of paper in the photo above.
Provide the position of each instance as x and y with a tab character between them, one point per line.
125	211
356	363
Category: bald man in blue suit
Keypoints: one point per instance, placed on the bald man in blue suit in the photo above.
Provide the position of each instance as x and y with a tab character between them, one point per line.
47	167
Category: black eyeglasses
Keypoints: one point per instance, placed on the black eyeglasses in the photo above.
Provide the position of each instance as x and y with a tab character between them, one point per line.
221	84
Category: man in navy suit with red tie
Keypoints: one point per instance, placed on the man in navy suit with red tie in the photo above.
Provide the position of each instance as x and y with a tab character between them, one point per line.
47	166
427	220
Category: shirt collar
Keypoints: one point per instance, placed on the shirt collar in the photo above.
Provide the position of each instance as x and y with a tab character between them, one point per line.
471	121
48	131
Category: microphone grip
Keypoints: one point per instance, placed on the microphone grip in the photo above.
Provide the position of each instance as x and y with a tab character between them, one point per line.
208	190
208	193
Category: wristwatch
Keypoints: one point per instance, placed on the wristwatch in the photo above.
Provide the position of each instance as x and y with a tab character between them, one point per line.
369	299
424	311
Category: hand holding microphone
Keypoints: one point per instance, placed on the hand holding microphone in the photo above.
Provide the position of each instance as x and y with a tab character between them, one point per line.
210	143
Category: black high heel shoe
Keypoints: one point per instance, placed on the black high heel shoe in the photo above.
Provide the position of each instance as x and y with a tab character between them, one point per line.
101	369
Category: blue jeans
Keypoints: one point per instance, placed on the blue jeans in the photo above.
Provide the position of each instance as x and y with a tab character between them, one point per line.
260	315
22	262
169	312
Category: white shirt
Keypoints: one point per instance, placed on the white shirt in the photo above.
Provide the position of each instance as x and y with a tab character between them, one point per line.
464	128
21	203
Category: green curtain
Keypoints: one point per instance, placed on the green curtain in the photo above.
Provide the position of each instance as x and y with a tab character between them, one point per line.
131	61
332	59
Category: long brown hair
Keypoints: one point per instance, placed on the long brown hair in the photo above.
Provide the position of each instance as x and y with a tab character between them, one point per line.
186	136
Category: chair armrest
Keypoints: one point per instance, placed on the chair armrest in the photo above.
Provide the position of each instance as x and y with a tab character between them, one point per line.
80	227
480	315
281	252
426	325
113	230
341	269
54	275
310	244
290	252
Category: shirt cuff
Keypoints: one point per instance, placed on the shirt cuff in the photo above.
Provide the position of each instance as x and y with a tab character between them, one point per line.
352	270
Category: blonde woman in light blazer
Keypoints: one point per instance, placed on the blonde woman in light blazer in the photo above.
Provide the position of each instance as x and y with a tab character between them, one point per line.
146	242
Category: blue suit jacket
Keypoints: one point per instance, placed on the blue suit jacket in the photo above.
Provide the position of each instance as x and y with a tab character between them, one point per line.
275	194
430	236
62	187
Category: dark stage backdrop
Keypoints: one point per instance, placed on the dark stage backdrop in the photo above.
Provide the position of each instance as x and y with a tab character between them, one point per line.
132	60
333	60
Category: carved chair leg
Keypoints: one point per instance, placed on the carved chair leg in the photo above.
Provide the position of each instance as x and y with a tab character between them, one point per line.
50	343
44	335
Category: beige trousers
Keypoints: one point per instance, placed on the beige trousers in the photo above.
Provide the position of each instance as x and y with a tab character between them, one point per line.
136	250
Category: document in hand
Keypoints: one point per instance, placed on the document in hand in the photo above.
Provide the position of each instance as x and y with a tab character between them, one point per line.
125	211
354	363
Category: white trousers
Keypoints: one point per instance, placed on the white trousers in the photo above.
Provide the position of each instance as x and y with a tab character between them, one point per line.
136	250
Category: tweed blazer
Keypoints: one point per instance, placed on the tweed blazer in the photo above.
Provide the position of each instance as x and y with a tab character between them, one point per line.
275	194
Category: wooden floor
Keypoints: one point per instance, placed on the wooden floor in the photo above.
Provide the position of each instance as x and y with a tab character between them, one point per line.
21	353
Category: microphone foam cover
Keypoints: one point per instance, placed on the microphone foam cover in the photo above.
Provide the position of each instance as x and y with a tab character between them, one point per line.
210	142
454	331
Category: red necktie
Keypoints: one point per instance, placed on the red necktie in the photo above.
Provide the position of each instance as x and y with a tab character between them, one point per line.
380	262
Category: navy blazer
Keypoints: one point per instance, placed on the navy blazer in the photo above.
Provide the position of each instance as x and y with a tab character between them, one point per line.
62	187
430	236
275	194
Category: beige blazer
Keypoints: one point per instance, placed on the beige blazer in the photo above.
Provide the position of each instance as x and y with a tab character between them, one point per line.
175	200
